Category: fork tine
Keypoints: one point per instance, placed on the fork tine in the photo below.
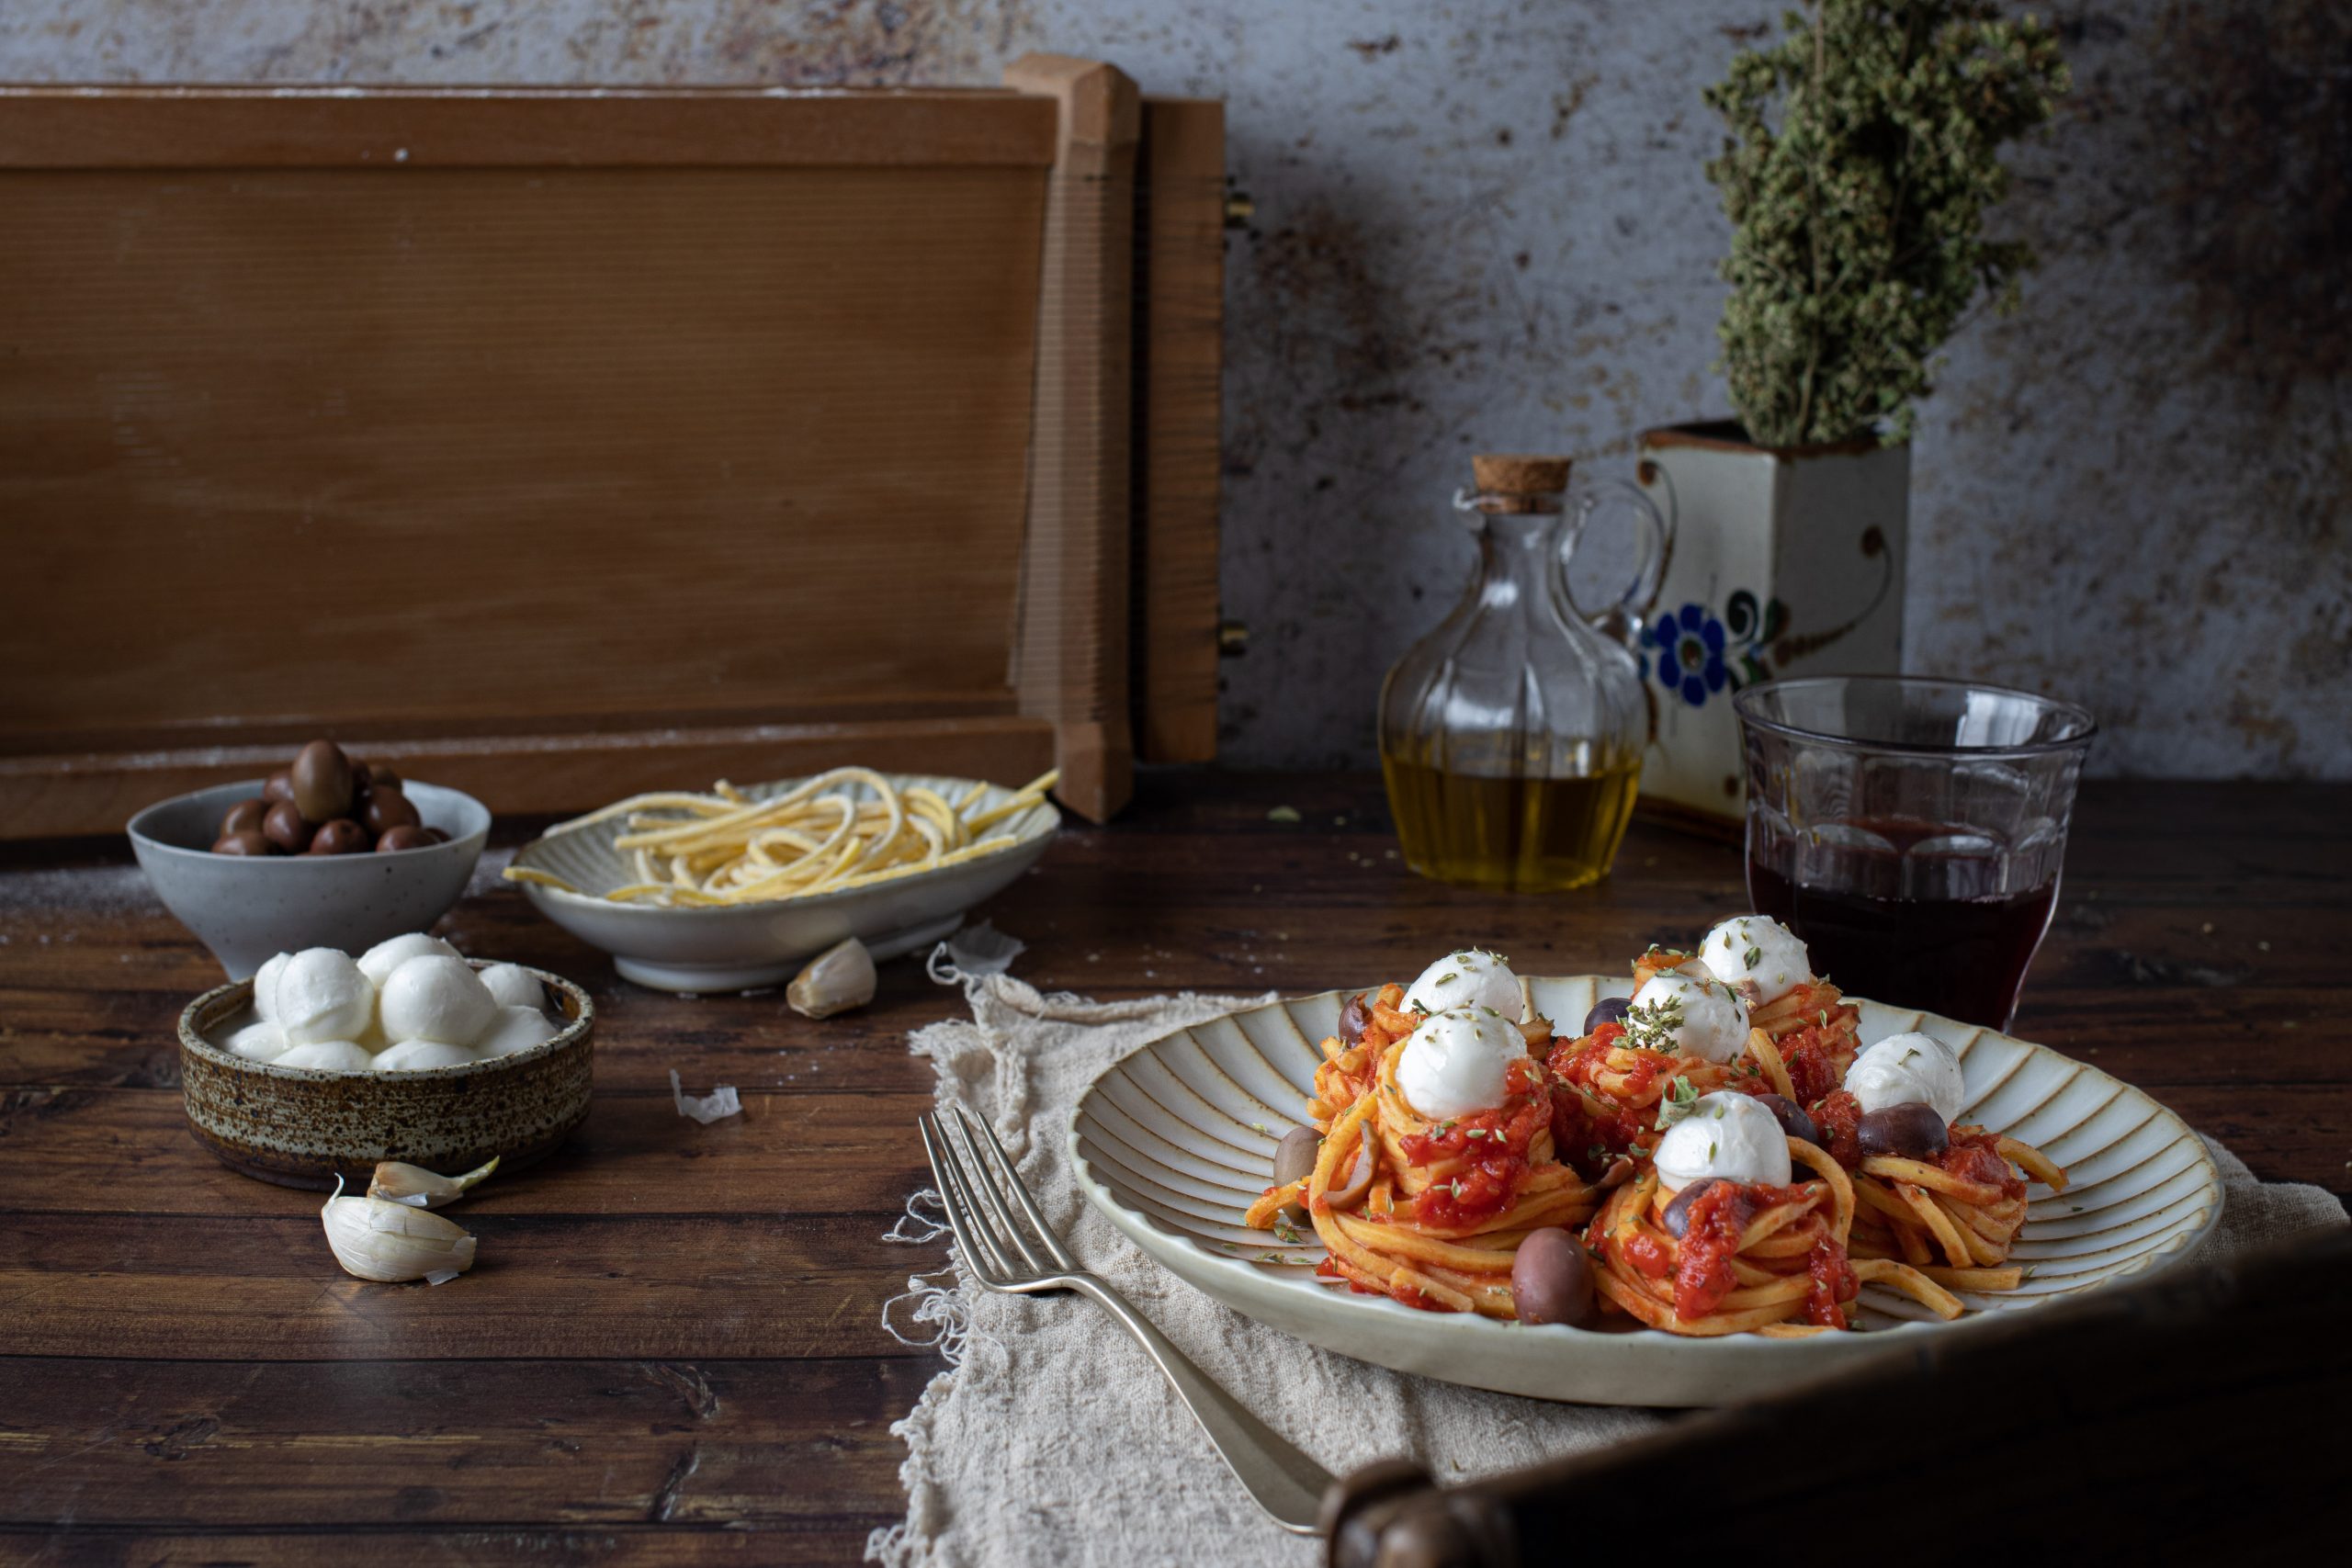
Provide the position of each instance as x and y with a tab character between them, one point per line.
1008	1229
1062	1255
952	1199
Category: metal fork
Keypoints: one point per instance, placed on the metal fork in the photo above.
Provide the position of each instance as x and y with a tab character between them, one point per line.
980	1192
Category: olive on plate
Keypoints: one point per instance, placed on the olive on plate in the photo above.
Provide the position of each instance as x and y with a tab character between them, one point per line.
1352	1018
1677	1218
1909	1131
1294	1161
1792	1117
1608	1009
1551	1278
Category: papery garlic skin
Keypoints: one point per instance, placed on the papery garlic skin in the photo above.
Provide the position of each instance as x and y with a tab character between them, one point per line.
418	1188
391	1243
838	979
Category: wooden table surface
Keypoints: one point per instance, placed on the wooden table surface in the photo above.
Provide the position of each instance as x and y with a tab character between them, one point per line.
670	1350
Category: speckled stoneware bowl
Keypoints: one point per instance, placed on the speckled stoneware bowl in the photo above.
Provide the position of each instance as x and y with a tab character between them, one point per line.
246	909
301	1126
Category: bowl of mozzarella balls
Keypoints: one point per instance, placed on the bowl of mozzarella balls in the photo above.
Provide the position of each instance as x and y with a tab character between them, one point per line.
323	1063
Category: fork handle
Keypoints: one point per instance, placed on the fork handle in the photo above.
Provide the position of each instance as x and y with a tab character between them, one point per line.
1286	1483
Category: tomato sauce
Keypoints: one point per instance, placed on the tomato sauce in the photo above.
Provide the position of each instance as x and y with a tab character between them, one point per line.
1589	1140
1486	1155
1835	1114
1702	1272
1976	1156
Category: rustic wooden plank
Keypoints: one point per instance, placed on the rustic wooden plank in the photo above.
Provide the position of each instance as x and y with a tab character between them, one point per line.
49	793
611	1546
1180	189
1072	657
412	128
242	1288
422	1445
128	1152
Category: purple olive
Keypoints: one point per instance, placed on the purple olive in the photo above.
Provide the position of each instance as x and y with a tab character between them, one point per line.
1294	1161
1911	1130
1677	1218
1608	1009
1352	1018
1551	1278
1792	1117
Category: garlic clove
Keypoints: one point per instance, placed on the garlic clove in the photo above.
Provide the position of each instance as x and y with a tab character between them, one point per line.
419	1188
391	1243
838	979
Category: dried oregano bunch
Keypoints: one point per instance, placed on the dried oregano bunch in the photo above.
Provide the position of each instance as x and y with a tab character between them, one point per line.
1861	157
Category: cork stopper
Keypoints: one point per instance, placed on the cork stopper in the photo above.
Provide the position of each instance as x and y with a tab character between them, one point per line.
1518	479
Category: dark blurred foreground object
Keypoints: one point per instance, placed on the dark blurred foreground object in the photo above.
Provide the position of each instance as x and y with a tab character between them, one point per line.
2190	1419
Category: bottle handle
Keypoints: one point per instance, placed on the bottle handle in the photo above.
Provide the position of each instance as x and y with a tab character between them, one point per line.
1625	616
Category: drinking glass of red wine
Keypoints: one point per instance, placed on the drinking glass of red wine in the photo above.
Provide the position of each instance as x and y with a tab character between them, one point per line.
1911	831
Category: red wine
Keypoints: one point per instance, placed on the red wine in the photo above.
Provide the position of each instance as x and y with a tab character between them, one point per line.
1962	955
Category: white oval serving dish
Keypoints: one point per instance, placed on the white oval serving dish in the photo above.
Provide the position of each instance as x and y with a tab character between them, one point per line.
1174	1144
760	944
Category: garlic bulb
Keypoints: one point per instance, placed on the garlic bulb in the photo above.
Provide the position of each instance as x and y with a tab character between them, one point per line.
391	1242
420	1188
838	979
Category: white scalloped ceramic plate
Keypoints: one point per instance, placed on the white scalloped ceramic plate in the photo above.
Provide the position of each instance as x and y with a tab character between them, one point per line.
760	944
1174	1144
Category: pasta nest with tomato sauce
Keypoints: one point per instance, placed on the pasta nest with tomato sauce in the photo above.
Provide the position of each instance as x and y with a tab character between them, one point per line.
1428	1212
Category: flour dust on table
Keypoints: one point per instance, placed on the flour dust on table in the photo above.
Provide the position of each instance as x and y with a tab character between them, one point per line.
1051	1438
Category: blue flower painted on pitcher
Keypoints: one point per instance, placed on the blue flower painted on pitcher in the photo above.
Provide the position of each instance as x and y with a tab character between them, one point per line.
1689	653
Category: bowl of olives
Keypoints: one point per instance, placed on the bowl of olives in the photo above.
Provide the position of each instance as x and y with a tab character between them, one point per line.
330	853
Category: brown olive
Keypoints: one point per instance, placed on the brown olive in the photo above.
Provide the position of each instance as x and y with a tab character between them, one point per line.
1294	1161
1677	1218
243	841
284	825
1551	1278
387	809
439	837
321	776
278	787
380	776
340	836
243	815
408	836
1909	1131
1352	1018
1794	1122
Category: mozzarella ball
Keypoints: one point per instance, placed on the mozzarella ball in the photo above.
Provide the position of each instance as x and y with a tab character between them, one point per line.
1454	1063
514	987
514	1029
263	1042
1759	955
321	995
379	962
1694	1017
266	988
328	1055
1729	1135
435	997
1469	978
421	1055
1908	1069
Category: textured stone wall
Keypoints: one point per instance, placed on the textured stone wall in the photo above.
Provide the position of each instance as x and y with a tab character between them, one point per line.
1482	223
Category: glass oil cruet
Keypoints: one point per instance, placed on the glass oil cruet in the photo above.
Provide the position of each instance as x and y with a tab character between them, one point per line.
1512	737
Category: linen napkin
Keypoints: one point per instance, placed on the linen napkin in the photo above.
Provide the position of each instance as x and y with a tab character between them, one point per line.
1052	1439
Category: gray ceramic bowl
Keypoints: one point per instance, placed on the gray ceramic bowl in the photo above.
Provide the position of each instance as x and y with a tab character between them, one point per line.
303	1127
247	909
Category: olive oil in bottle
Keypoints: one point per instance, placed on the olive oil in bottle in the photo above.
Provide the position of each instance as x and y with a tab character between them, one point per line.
1525	835
1512	736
